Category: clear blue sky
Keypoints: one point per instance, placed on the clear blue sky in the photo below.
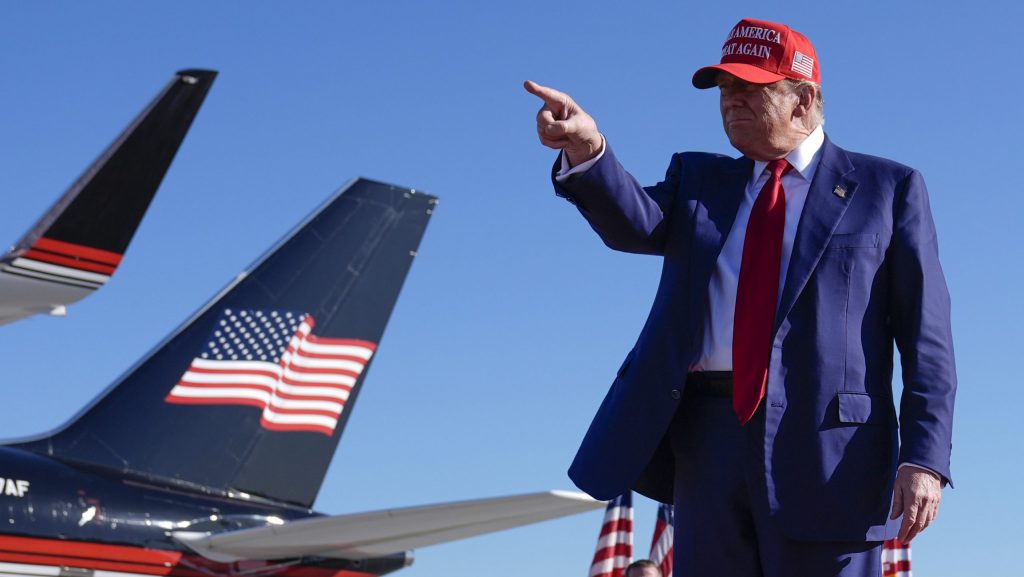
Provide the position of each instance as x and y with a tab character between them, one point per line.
515	316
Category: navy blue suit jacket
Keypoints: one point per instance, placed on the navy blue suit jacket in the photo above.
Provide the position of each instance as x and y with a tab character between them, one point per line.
864	275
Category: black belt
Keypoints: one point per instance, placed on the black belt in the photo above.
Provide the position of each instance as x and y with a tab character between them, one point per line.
709	383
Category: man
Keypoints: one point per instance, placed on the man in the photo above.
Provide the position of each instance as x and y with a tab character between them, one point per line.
758	396
642	568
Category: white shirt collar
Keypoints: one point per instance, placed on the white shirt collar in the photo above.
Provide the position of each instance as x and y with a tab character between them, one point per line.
804	158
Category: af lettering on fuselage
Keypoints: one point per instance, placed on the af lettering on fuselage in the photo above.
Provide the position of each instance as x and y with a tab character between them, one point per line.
13	487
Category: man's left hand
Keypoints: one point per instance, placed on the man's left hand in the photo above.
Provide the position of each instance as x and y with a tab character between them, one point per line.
916	496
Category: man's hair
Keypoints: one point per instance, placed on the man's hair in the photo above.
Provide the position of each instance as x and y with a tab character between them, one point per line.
818	111
640	565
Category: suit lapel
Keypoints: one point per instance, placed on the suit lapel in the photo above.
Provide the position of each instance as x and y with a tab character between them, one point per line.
829	196
721	193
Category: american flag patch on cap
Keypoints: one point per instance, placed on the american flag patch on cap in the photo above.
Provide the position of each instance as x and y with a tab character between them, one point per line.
803	64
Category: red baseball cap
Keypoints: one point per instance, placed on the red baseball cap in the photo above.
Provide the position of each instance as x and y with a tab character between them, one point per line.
763	52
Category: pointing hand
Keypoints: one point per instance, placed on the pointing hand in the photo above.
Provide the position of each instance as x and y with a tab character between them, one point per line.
562	124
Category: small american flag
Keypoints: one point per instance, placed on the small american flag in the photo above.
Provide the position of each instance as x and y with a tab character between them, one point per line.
803	64
895	559
661	544
615	544
271	360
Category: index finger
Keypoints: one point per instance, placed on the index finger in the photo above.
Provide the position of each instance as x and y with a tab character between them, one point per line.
548	95
906	532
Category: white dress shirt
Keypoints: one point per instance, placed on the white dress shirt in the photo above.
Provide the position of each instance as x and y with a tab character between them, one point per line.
716	354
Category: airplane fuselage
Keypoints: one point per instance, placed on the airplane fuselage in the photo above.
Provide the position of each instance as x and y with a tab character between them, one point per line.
59	519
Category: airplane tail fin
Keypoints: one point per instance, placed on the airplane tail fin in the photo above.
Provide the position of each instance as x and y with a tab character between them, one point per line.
250	396
78	244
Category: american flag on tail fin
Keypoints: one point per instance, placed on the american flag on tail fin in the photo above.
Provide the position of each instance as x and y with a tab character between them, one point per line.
615	544
662	543
272	360
895	559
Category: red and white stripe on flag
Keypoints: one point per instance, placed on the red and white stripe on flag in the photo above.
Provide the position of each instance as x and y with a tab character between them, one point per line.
895	559
272	360
662	543
615	544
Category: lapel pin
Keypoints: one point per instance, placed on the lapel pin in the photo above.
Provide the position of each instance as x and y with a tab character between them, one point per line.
839	191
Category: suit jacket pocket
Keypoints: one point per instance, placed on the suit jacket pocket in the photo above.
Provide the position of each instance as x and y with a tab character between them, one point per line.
857	240
862	408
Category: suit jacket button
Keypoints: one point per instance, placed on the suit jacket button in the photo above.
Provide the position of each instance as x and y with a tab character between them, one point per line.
676	394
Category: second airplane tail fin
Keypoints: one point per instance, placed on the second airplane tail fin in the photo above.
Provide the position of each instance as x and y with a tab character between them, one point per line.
78	244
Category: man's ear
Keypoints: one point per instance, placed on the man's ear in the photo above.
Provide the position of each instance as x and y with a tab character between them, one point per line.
806	96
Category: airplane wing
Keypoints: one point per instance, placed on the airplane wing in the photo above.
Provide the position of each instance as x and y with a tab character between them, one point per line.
78	244
365	535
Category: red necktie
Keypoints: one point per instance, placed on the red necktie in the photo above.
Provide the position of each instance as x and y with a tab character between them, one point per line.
757	294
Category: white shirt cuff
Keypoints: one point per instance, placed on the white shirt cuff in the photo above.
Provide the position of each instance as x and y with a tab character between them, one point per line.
566	171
